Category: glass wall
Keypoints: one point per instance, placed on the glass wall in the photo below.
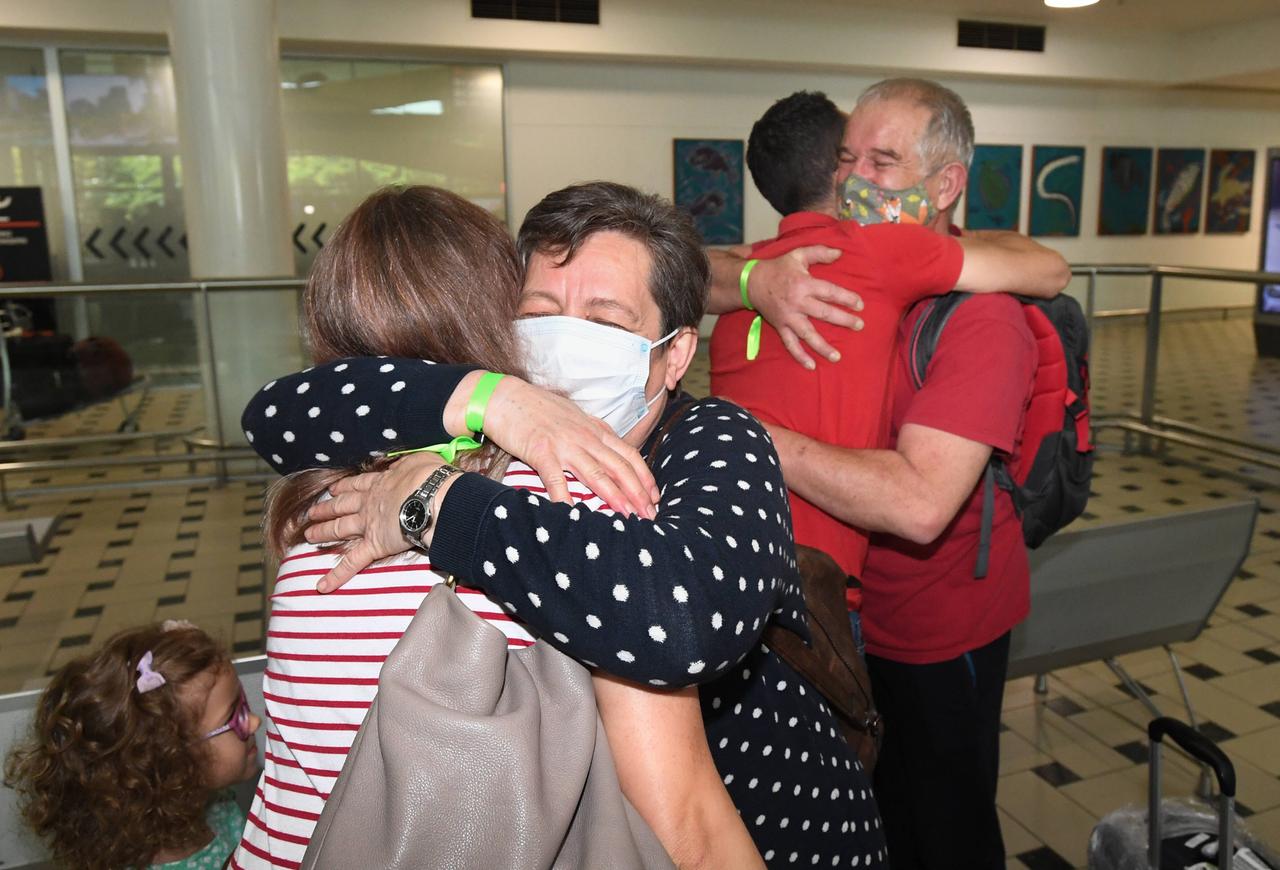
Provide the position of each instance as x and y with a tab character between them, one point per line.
353	126
26	141
124	156
122	129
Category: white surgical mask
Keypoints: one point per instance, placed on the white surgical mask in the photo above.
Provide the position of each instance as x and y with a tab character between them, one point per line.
602	369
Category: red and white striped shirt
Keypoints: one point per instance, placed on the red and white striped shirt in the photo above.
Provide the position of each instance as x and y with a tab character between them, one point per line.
324	654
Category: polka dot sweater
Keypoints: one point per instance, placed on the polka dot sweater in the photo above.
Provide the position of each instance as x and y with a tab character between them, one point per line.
677	600
339	414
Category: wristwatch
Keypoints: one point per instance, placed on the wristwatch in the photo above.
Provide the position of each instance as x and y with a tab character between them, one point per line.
415	514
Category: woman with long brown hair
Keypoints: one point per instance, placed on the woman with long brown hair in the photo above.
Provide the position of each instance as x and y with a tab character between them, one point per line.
422	276
409	273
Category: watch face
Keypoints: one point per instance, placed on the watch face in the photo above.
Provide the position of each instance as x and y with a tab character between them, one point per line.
413	515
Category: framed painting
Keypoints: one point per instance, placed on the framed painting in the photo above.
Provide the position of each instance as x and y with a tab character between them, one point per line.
1269	294
1125	204
1179	190
708	185
995	188
1230	201
1057	178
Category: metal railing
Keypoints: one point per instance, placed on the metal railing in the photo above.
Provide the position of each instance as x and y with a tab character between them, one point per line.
1145	423
199	451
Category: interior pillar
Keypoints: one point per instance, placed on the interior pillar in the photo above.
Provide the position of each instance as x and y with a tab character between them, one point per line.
226	69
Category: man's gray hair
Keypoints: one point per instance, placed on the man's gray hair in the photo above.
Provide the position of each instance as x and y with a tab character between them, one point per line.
949	136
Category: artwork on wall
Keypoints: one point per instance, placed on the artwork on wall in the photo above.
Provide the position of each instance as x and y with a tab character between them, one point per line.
1126	192
1057	177
708	185
1179	185
995	188
1269	296
1230	191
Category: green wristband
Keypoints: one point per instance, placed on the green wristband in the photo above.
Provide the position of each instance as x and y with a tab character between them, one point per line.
448	451
479	401
753	338
753	334
742	284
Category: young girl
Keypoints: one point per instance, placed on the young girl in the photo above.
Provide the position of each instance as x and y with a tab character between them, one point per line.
131	752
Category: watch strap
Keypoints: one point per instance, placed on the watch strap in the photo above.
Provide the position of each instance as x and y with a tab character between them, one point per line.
435	480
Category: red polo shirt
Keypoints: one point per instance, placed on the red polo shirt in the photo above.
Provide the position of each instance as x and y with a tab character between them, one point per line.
847	403
921	603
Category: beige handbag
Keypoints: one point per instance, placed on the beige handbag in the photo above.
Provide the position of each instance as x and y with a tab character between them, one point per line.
472	756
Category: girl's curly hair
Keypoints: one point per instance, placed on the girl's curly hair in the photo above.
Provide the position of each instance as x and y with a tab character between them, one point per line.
110	776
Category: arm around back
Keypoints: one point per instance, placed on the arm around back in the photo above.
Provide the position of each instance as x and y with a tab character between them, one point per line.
912	492
726	267
336	414
971	403
786	296
671	601
1007	262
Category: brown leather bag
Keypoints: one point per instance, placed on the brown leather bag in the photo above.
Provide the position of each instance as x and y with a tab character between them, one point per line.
830	661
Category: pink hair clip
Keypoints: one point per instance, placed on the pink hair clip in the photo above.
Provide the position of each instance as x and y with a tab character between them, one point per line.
147	678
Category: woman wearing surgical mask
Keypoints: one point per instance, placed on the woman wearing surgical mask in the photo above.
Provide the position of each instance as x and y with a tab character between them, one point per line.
407	274
676	596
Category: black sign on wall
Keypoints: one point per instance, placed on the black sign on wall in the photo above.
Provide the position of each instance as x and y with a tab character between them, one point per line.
24	240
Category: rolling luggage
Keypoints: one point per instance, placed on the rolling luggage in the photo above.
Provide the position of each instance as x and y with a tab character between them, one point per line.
1182	834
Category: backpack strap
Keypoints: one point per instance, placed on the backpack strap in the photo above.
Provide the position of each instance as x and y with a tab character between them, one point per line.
928	328
988	513
924	343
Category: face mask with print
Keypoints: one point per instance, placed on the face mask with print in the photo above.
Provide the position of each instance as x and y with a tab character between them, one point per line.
869	203
602	369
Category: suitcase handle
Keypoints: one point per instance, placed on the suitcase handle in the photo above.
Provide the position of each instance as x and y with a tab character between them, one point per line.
1203	749
1200	747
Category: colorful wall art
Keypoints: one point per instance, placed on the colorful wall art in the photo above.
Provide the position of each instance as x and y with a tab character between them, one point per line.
1057	177
708	185
1230	201
1126	192
1179	189
995	188
1269	295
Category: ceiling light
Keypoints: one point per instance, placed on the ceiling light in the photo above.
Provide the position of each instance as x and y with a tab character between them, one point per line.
421	107
1068	4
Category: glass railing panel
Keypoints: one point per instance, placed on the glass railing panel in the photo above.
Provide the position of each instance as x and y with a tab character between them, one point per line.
133	511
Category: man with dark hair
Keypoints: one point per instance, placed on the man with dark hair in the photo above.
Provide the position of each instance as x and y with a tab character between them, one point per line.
792	151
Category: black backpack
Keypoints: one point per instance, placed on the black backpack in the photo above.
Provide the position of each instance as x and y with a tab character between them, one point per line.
1050	481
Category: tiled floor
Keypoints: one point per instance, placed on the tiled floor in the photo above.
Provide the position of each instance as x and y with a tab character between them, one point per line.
122	557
